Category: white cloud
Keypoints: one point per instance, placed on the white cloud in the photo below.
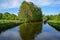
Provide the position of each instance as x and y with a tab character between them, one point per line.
10	4
44	2
40	2
16	3
57	2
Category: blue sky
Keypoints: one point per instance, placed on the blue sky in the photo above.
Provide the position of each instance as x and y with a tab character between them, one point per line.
48	6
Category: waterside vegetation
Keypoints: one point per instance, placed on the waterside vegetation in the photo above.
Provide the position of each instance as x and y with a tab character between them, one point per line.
54	21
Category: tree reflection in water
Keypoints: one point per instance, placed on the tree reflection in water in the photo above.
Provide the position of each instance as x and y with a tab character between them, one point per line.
29	31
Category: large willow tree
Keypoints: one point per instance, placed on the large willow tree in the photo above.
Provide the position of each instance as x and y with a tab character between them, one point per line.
29	12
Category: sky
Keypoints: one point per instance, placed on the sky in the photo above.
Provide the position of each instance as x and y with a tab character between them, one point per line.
48	7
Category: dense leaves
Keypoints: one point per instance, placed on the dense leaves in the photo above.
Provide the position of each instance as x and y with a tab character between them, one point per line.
1	15
29	12
8	16
54	17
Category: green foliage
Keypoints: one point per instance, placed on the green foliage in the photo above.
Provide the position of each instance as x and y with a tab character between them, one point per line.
29	12
54	17
8	16
1	15
58	17
12	17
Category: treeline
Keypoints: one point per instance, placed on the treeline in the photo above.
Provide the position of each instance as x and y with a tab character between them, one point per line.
8	16
54	17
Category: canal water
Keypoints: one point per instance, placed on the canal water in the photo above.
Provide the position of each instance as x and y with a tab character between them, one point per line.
31	31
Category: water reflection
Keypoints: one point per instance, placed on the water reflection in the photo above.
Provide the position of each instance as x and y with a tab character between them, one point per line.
48	33
48	36
29	31
55	28
10	34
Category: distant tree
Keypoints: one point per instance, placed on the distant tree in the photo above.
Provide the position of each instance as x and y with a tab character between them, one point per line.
1	15
12	17
6	15
58	17
54	17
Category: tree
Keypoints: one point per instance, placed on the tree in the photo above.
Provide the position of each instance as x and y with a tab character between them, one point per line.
1	15
12	17
8	16
29	12
54	17
58	17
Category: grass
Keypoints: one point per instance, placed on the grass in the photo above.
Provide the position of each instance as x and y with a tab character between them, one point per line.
7	21
55	24
54	21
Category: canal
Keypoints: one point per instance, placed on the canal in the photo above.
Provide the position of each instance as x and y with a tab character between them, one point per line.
31	31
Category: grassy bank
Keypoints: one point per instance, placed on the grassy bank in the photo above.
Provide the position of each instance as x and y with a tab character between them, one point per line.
6	24
55	24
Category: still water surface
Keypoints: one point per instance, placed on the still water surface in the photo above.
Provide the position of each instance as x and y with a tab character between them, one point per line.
31	31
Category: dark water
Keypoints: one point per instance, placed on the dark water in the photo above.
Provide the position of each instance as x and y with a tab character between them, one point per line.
31	31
